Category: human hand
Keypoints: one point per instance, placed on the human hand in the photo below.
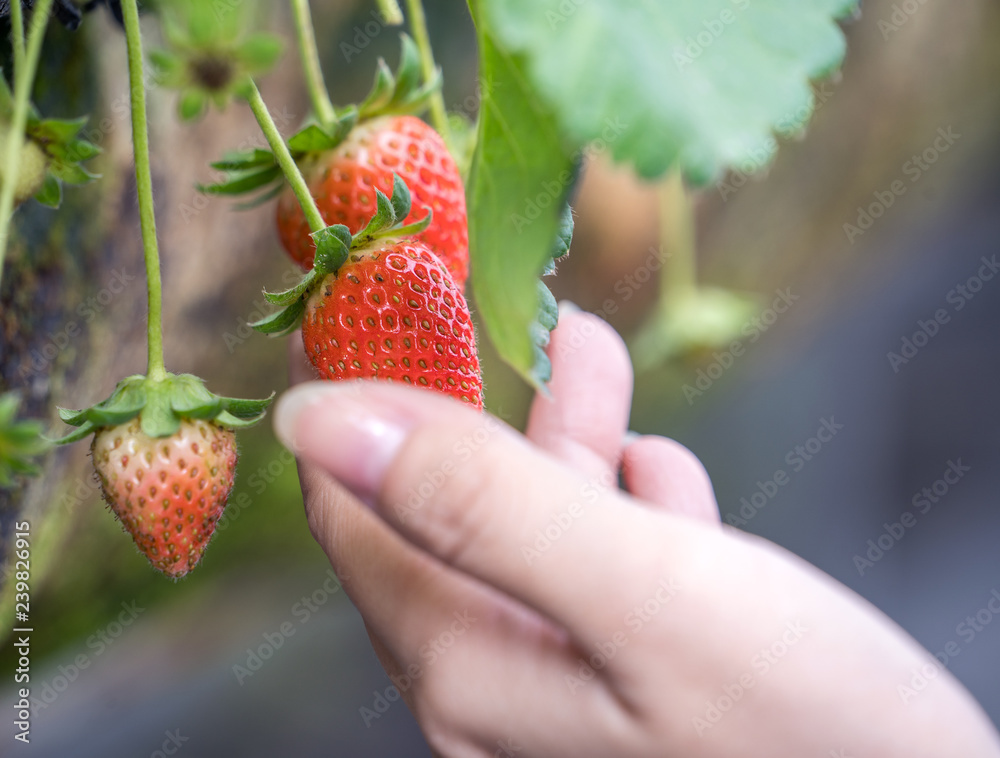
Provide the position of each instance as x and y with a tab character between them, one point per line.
524	605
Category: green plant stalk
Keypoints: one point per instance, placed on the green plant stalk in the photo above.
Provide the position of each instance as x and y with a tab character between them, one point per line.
285	160
17	35
155	368
677	235
392	14
24	78
306	37
418	25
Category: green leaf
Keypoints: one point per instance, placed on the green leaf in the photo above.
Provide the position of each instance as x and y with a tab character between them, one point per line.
520	174
702	82
51	192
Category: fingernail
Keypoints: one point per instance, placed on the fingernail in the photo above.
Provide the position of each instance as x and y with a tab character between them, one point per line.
568	308
336	427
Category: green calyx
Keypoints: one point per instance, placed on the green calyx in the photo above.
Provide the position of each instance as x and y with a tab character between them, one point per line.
333	245
52	152
402	92
161	405
210	56
392	94
20	442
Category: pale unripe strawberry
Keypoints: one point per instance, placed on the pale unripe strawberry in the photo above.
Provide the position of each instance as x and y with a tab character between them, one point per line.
169	492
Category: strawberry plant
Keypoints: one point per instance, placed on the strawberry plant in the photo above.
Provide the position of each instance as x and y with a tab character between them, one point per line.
389	215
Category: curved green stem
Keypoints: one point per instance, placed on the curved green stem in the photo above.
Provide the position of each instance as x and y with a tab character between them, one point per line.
392	14
318	93
24	78
285	159
677	235
418	25
144	183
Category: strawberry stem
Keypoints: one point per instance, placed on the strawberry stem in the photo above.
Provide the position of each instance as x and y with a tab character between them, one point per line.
392	14
418	25
285	160
24	78
306	36
677	235
17	35
144	183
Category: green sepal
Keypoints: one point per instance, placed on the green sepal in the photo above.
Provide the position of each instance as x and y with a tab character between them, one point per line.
259	52
51	192
260	199
20	441
232	421
312	139
240	161
246	410
161	405
400	92
243	182
289	296
283	322
333	246
192	104
58	130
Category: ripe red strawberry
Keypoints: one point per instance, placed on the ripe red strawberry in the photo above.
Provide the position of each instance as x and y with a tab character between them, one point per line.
393	312
168	492
344	180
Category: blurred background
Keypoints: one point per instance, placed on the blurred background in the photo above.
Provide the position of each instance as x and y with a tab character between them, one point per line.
125	663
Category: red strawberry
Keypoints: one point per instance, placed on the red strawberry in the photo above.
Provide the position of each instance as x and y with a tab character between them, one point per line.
168	492
393	312
344	180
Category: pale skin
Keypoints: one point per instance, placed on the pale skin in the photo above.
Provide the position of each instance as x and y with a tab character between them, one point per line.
537	613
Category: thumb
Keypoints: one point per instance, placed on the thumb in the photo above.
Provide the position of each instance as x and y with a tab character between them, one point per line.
474	493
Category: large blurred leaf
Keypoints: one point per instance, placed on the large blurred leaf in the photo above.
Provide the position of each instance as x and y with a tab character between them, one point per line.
702	81
521	174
